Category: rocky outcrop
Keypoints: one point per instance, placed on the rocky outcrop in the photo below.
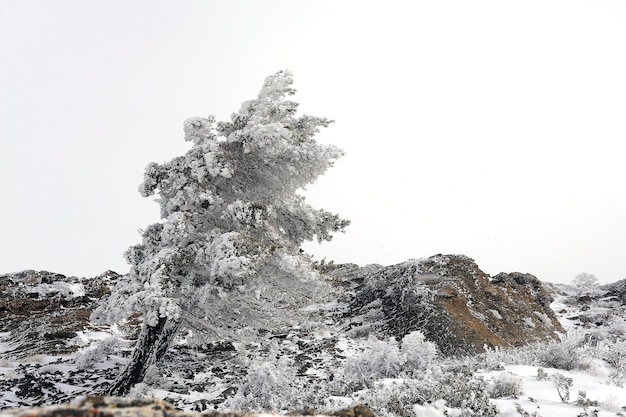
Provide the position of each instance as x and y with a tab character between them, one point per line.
41	312
452	302
617	290
150	407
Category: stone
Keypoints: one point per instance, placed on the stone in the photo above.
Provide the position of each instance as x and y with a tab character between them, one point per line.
452	301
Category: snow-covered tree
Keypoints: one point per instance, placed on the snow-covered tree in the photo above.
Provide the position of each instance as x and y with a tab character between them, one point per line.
586	284
585	280
232	225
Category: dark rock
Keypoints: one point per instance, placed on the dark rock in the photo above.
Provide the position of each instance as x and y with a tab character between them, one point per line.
453	302
40	311
617	290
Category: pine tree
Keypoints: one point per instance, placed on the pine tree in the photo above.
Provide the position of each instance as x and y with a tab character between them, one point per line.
231	222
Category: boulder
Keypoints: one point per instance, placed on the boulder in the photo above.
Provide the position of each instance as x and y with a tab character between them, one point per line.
452	301
617	290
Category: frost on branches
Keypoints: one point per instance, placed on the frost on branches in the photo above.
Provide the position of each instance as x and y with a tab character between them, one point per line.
232	225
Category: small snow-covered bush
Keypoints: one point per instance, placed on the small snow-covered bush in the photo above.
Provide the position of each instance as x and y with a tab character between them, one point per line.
463	390
522	411
266	387
455	384
385	359
396	398
612	403
583	401
495	359
616	379
542	375
617	327
381	359
86	359
417	351
563	355
614	354
506	384
563	385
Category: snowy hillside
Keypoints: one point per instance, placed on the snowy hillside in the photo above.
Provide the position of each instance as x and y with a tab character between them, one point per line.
371	339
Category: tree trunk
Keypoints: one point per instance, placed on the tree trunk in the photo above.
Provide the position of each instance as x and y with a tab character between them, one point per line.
151	346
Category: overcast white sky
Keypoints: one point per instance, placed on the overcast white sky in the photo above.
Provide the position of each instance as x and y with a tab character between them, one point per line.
493	129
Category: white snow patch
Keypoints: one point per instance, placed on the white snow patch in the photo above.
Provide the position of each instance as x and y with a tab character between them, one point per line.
496	314
542	397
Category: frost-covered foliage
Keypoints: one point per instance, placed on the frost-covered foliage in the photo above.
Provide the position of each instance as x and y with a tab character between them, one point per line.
229	208
418	353
455	385
564	355
267	387
381	359
386	359
232	220
93	354
614	354
585	281
380	376
506	384
563	386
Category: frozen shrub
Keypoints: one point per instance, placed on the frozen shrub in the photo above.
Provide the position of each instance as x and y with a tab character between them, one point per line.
395	399
542	375
522	411
317	394
460	391
267	387
381	359
614	354
616	379
417	351
87	358
583	401
563	355
563	385
463	390
493	359
617	327
385	359
453	382
506	384
612	403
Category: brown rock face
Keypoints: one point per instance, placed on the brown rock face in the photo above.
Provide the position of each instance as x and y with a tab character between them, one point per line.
453	302
148	407
504	311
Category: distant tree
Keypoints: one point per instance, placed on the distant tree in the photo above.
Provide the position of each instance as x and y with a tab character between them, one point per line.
585	284
232	225
585	281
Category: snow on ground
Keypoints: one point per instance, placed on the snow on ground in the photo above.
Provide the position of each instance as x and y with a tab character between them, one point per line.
540	396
